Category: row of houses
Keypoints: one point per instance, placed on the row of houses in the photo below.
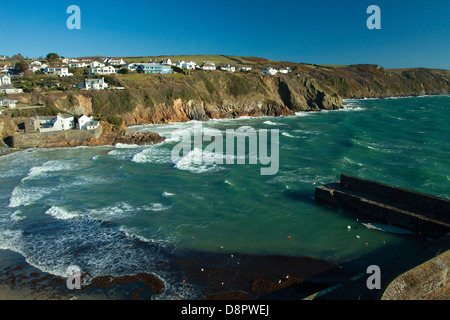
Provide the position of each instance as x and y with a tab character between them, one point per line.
60	122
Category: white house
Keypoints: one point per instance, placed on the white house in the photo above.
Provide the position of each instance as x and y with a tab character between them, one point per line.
208	66
228	68
131	66
167	62
96	64
284	70
4	68
5	80
115	61
78	65
8	89
92	125
64	122
59	123
270	71
59	71
82	121
180	64
103	70
8	103
2	57
190	65
245	68
95	84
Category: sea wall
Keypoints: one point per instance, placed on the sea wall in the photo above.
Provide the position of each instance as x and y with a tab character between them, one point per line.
418	202
429	281
103	136
68	138
418	212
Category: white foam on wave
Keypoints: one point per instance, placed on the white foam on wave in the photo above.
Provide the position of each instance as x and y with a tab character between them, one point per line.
126	146
270	123
110	246
153	154
17	216
210	161
112	212
167	194
122	210
136	233
311	132
44	171
286	134
155	207
61	213
303	113
23	196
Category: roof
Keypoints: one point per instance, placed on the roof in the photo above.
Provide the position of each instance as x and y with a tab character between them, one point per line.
95	80
92	123
66	116
152	64
44	117
6	99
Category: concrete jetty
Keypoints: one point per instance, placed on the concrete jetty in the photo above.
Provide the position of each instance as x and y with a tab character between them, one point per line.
418	212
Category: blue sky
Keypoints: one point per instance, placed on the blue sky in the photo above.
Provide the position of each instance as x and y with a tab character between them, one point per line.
414	33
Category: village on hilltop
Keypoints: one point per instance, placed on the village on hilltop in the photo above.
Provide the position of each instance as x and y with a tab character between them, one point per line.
53	65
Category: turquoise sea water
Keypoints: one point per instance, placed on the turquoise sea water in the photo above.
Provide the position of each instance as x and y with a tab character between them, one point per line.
125	209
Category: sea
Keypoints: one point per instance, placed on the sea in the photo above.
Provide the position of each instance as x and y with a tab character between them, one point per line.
127	209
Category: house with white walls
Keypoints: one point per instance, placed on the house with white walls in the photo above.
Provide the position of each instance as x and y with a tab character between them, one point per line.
285	70
9	89
58	71
208	66
79	64
228	68
190	65
115	61
96	64
95	84
92	125
167	62
82	121
103	70
270	71
8	103
5	79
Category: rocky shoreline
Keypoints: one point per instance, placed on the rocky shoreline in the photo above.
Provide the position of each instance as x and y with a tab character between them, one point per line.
222	277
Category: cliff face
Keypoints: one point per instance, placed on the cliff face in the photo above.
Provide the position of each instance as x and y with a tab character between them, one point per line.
204	95
7	126
199	96
371	81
